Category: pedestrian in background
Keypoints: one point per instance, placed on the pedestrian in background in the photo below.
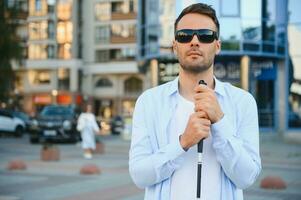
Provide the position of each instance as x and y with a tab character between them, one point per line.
88	127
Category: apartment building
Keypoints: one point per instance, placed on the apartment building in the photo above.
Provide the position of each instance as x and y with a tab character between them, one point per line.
111	80
52	67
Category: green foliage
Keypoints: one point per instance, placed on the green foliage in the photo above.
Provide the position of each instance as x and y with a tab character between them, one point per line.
10	49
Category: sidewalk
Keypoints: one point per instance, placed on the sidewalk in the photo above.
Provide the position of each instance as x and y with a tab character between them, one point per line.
61	180
278	159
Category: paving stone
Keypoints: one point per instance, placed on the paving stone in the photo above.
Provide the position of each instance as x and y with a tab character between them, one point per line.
16	165
273	182
90	169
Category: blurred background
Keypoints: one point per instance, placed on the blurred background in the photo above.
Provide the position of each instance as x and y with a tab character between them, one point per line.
66	53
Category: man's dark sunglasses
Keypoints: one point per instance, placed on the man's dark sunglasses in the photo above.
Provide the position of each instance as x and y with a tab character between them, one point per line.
203	35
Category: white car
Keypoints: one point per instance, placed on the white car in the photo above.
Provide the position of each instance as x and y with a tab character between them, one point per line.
10	123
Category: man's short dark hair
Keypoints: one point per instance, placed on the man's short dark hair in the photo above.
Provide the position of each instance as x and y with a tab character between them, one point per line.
199	8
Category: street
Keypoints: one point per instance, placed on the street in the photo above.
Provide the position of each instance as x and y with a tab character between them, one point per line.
61	180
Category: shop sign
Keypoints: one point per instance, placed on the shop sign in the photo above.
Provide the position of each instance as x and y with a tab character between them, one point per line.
227	71
263	70
42	99
64	99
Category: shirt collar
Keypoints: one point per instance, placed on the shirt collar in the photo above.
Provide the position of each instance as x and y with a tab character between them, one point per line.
219	87
174	86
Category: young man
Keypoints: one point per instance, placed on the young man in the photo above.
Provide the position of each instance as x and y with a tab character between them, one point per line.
169	120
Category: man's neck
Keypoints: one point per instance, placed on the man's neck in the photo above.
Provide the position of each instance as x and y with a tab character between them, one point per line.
188	81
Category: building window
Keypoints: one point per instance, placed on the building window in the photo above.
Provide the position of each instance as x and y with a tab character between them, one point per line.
64	51
125	54
122	54
230	8
64	32
118	7
104	82
269	9
250	9
63	79
123	30
102	11
38	30
51	51
64	9
230	37
102	56
37	7
37	51
102	34
133	85
51	30
39	77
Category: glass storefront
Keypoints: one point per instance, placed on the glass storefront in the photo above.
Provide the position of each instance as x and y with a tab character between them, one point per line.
294	70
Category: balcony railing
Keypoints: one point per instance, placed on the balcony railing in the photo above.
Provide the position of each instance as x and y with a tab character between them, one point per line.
123	16
119	39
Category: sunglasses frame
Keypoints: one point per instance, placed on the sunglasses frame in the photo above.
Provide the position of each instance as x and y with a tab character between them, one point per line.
199	33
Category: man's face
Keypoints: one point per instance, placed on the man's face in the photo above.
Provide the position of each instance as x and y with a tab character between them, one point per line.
196	56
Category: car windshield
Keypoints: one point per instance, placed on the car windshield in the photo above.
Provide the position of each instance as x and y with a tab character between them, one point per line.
56	110
21	115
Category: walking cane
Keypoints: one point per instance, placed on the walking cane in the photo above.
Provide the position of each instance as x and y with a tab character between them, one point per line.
200	158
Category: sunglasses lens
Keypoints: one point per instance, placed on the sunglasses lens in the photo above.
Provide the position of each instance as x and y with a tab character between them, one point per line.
204	35
184	36
205	38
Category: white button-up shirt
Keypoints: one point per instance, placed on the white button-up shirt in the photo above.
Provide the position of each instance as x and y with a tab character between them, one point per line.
235	139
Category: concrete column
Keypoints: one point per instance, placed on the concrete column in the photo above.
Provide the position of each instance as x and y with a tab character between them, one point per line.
73	79
244	72
154	72
281	96
54	79
89	85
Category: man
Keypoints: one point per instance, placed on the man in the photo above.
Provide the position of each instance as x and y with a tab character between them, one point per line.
169	120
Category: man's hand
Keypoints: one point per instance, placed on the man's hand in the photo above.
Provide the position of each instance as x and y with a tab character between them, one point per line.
198	127
206	101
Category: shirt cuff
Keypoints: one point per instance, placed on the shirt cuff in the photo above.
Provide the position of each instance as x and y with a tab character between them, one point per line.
223	129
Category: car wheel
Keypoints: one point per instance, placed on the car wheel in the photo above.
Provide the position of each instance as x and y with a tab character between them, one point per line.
19	131
34	140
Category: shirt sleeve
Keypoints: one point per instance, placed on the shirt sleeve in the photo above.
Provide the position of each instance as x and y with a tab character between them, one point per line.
237	149
146	165
80	123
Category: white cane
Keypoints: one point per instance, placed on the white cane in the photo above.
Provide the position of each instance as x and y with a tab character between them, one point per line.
200	160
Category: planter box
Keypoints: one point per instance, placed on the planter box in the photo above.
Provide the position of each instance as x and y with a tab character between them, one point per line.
50	153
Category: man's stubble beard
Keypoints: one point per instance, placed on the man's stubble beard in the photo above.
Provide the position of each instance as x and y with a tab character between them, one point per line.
196	69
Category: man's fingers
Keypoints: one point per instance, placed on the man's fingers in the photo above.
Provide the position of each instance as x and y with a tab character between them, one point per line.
201	88
201	114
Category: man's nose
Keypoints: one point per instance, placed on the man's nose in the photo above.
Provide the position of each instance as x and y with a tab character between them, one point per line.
195	41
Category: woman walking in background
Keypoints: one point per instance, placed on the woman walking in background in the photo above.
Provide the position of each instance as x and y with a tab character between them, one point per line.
88	127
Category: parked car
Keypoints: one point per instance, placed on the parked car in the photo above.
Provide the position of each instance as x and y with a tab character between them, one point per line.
11	124
24	117
55	123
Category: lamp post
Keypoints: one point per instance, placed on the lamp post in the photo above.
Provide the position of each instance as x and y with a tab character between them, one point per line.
54	95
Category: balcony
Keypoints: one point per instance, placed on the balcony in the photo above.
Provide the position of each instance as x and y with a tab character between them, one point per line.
123	16
119	39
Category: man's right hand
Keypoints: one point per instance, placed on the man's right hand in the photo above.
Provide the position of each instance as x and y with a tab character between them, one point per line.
198	127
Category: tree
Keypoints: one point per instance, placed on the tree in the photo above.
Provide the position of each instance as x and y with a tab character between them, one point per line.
10	48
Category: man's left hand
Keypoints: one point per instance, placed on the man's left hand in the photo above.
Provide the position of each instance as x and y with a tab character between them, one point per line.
206	100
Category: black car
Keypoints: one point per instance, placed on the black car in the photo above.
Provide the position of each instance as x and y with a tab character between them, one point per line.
55	123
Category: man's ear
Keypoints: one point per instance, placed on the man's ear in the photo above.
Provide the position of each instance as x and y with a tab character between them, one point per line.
174	47
218	47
